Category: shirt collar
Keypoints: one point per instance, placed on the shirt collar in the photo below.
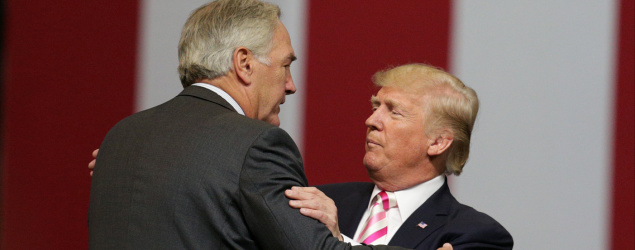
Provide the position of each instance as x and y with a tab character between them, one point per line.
222	94
408	200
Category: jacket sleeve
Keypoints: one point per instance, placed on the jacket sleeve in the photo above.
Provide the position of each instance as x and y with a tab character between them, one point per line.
272	165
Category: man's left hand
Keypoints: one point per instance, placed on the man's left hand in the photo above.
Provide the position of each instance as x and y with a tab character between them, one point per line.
91	164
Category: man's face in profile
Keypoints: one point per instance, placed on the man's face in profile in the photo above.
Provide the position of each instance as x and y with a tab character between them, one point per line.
274	81
396	142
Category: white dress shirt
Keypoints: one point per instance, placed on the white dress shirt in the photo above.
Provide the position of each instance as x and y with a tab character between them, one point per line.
408	200
222	94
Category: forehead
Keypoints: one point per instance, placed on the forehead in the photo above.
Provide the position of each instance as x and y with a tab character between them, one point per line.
399	93
397	96
281	41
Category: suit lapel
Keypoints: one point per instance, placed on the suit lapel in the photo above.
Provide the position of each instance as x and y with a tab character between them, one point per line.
433	214
206	94
352	207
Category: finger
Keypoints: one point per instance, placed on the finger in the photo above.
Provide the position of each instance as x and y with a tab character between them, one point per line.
91	173
306	193
298	194
95	153
446	246
91	164
312	190
312	204
316	214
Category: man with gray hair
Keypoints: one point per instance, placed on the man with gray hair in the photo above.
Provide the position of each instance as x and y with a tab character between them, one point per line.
419	130
208	169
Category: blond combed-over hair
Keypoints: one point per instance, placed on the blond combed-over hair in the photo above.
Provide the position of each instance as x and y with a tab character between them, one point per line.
450	105
213	32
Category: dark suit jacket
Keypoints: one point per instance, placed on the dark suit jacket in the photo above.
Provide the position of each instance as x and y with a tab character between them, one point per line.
194	174
447	220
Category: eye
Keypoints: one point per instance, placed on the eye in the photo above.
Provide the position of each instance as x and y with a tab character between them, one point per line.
395	112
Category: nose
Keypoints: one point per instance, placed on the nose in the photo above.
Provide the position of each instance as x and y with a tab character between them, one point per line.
289	86
374	121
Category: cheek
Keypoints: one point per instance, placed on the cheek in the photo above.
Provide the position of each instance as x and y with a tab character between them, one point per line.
277	84
408	144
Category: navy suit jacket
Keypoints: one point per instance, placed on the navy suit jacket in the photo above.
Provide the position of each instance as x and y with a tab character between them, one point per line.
447	220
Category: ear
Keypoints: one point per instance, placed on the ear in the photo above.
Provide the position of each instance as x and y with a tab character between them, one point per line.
243	64
441	143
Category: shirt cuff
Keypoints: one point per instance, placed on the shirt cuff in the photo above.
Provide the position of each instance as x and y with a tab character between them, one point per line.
349	240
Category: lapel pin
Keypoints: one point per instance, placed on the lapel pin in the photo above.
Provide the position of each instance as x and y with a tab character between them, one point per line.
422	225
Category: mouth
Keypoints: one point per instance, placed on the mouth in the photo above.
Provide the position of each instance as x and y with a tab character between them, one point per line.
371	142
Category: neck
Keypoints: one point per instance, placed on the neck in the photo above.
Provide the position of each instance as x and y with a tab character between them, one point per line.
234	88
395	183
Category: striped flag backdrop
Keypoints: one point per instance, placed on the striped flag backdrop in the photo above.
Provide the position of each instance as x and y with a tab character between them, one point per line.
553	149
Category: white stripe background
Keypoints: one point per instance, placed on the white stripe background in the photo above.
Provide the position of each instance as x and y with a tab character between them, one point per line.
544	72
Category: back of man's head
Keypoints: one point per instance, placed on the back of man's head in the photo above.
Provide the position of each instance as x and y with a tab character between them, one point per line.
215	30
449	105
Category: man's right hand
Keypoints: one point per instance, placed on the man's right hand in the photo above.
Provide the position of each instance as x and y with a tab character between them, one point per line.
91	164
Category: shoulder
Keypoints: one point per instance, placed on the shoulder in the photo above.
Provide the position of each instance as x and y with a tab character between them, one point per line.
268	143
472	226
270	136
464	215
272	159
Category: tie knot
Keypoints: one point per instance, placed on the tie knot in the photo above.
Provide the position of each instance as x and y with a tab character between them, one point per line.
386	199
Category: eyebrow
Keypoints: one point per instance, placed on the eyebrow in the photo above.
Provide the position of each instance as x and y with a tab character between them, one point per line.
391	103
374	100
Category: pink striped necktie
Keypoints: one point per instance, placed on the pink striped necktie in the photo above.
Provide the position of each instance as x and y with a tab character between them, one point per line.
376	227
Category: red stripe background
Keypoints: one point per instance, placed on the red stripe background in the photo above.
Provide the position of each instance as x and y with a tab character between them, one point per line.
70	73
623	213
348	41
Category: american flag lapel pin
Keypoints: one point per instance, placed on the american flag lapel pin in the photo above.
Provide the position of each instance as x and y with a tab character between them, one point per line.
422	225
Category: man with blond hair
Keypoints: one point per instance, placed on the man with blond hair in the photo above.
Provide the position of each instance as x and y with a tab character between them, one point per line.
419	132
208	169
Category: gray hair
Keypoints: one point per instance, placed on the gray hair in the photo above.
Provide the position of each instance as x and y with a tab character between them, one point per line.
213	31
451	105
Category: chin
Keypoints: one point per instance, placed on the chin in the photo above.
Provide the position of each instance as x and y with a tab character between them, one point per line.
274	121
369	163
